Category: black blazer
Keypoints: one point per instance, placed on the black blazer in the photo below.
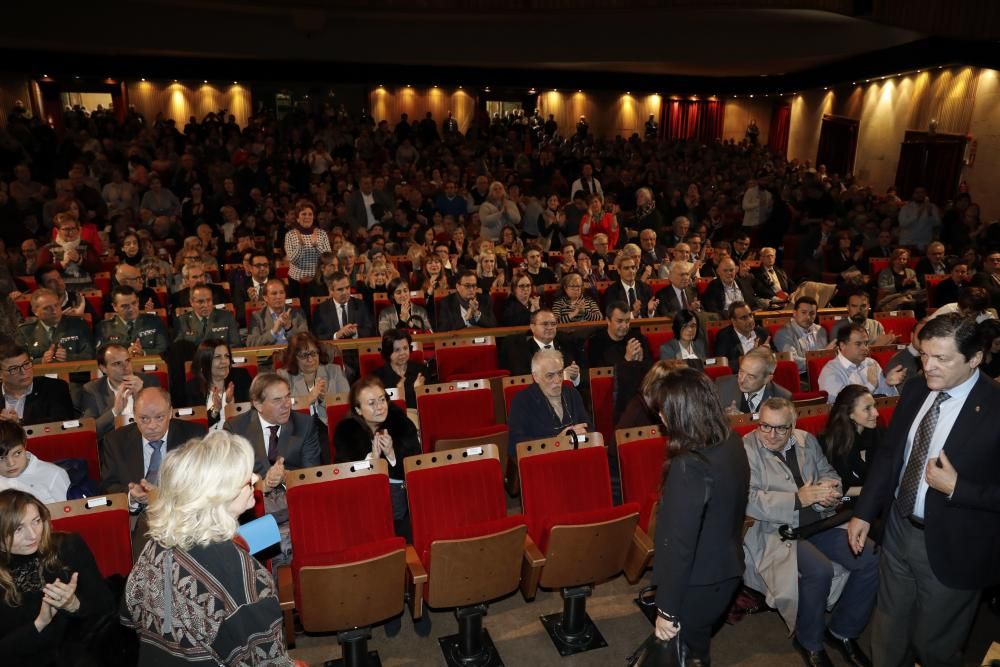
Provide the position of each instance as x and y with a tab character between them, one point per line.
763	288
714	299
352	441
643	292
520	349
962	534
448	313
515	314
298	443
326	322
49	401
670	304
727	344
121	456
701	546
947	291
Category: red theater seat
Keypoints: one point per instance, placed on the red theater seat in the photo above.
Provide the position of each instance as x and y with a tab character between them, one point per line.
642	453
602	386
815	361
456	410
467	359
899	322
657	335
74	439
104	527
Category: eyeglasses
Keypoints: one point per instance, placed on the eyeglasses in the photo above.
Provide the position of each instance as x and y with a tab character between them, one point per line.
377	402
13	456
468	285
20	368
547	323
526	286
258	265
768	428
308	354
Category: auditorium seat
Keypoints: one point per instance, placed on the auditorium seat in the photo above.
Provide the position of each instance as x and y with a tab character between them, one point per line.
467	359
712	329
813	418
152	366
742	424
886	406
899	322
348	567
656	335
717	367
585	539
103	524
472	551
815	360
828	322
875	266
786	374
930	282
642	452
71	439
602	386
456	410
883	353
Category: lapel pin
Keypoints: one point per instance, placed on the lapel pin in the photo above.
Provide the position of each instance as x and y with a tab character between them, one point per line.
977	408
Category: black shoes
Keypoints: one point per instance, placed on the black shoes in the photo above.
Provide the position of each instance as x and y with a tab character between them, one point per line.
812	658
849	649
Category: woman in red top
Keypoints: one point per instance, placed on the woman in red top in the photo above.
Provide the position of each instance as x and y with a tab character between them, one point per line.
598	221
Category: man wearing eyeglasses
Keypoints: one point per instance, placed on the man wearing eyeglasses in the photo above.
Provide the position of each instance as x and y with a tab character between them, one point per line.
204	320
27	399
741	336
131	455
544	336
792	484
126	274
853	365
465	308
248	282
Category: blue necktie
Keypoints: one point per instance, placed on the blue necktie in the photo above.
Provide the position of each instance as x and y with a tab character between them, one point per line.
153	472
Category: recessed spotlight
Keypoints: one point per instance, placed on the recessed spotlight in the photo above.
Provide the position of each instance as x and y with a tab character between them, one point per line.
205	81
236	83
751	97
628	92
141	79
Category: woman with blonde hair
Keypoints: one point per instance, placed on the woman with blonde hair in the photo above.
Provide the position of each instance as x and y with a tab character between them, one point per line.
195	594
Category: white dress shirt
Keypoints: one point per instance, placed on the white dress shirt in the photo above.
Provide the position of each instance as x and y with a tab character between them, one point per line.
45	481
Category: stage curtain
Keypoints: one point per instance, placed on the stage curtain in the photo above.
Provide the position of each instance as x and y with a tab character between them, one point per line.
694	119
781	121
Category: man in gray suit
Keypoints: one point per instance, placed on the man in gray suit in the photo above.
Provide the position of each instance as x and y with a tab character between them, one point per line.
276	322
112	396
282	440
745	392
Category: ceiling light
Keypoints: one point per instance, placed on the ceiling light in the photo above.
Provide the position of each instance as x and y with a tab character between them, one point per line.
141	79
751	97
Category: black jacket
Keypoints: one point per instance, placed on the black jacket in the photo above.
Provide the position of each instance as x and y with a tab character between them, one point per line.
352	441
714	299
49	401
727	344
705	544
520	349
326	323
448	314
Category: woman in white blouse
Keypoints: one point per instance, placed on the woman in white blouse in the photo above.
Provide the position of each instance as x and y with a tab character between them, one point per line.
688	341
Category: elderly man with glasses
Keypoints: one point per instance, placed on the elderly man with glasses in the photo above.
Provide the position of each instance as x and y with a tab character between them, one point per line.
792	484
28	399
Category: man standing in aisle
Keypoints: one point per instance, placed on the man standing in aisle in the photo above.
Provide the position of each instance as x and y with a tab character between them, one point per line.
936	480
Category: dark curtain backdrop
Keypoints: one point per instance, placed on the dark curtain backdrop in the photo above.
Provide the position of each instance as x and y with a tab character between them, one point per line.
693	119
934	162
838	142
781	122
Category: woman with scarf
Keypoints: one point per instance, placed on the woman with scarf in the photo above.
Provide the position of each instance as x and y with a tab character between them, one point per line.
76	258
304	243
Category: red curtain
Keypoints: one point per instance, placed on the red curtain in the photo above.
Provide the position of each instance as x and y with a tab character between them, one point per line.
781	121
694	119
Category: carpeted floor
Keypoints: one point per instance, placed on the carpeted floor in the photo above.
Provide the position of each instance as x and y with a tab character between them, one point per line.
757	641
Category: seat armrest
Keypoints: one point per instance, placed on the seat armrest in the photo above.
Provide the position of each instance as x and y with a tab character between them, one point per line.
531	568
640	554
416	577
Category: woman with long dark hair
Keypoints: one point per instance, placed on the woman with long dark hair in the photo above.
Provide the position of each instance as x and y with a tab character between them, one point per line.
698	564
852	434
215	382
50	587
402	313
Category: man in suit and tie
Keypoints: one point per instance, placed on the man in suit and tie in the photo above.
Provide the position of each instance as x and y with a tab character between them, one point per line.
653	254
544	336
113	395
276	322
727	288
248	282
770	282
131	455
282	439
465	308
28	399
935	481
54	336
204	320
341	316
744	392
741	336
635	293
679	294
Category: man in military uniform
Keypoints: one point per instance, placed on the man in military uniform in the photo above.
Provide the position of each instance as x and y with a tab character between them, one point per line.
142	333
54	336
204	321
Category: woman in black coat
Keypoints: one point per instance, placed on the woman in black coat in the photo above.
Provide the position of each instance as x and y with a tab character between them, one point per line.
378	429
698	564
215	382
395	350
852	434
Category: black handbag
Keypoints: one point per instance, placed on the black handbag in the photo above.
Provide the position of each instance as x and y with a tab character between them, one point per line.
657	653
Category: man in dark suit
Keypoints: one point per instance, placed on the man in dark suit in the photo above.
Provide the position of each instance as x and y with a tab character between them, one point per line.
342	316
465	308
635	293
741	336
679	294
368	207
770	282
653	254
934	480
947	291
933	261
989	278
247	283
744	392
131	455
29	399
727	288
113	395
544	336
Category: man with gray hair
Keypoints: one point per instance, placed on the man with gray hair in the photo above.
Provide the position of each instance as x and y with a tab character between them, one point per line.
679	294
746	391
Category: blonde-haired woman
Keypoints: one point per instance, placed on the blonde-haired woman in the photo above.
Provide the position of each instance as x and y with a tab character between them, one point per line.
195	594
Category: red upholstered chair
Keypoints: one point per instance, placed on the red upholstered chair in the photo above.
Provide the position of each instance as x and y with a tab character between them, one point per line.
717	367
152	366
380	300
103	523
370	356
348	568
773	324
472	551
886	406
813	418
314	304
786	374
656	335
197	414
815	360
805	398
931	281
899	322
642	451
95	299
876	264
602	386
883	353
602	288
712	329
468	359
742	424
701	285
499	296
451	411
511	386
566	496
74	439
828	322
